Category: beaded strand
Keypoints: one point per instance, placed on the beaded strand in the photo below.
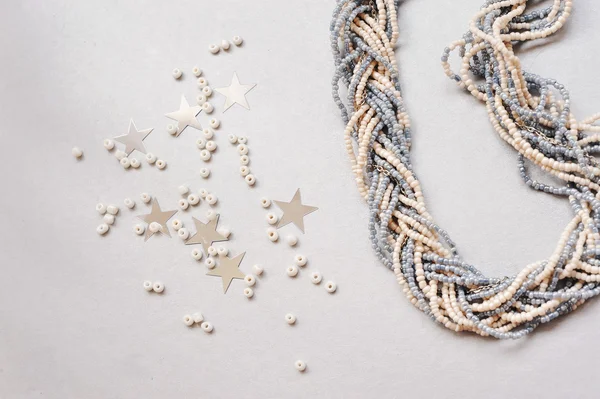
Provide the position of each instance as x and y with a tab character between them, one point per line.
532	114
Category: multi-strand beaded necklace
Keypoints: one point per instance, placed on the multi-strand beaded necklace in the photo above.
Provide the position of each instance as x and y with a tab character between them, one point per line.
532	114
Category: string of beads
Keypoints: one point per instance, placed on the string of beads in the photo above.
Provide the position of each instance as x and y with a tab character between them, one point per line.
532	114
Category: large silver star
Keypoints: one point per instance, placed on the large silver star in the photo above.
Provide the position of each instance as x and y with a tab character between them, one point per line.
158	216
133	139
185	116
228	269
294	211
206	233
235	93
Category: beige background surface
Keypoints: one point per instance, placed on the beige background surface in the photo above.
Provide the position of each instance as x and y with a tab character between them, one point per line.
75	321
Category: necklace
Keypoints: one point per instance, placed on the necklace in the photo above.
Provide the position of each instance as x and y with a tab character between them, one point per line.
530	113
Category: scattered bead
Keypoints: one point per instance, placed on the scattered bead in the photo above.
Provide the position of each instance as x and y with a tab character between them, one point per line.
272	234
315	277
242	149
176	224
272	218
177	73
211	199
213	48
134	163
145	197
232	138
202	83
155	227
300	365
258	270
211	145
160	164
148	285
211	215
120	154
171	129
207	327
109	144
224	231
222	251
188	320
244	171
196	71
250	179
244	160
208	108
300	260
207	91
292	240
109	219
193	199
205	155
292	271
225	45
290	318
183	233
158	287
201	99
183	204
203	193
125	163
139	229
237	40
330	287
250	280
208	133
102	229
265	202
150	158
212	251
183	190
77	153
197	317
242	140
214	123
249	292
210	262
204	172
112	209
101	208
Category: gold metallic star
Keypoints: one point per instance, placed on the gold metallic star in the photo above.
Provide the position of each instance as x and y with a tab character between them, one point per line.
158	216
206	233
133	139
235	93
185	116
228	269
294	211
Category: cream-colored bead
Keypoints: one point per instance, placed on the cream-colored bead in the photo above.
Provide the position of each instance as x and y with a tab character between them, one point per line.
272	234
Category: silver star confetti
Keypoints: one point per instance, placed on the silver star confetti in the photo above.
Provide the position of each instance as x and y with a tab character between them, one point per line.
133	139
228	269
294	211
206	233
235	93
185	116
158	216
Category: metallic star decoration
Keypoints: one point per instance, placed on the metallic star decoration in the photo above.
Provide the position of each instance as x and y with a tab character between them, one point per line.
235	93
133	139
294	211
228	269
158	216
206	233
185	116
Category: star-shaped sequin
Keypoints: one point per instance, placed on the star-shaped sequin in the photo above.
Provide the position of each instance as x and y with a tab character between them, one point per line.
235	93
206	233
185	116
294	211
228	269
158	216
133	140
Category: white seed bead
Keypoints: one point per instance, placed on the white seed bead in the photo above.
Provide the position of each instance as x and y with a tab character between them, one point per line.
300	365
249	292
202	83
77	153
258	270
112	209
292	240
150	158
316	277
242	149
330	287
125	163
222	251
244	171
204	172
210	263
208	133
193	199
207	327
205	155
183	189
160	164
148	285
244	160
198	318
155	227
145	197
171	129
224	231
211	215
188	320
250	280
265	202
120	154
101	208
211	145
292	271
250	179
134	163
272	218
242	140
201	99
290	318
215	123
102	229
183	204
212	251
237	40
196	71
201	143
203	193
232	138
301	260
109	144
213	48
211	199
176	73
272	234
139	229
109	219
207	91
225	44
208	107
158	287
176	224
183	233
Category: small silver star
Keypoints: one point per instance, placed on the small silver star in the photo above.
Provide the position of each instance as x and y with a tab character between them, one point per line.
185	116
158	216
294	211
133	139
206	233
228	269
235	93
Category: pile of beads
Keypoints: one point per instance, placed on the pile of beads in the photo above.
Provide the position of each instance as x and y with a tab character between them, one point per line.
531	113
153	160
197	318
189	198
157	286
108	214
225	45
243	150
